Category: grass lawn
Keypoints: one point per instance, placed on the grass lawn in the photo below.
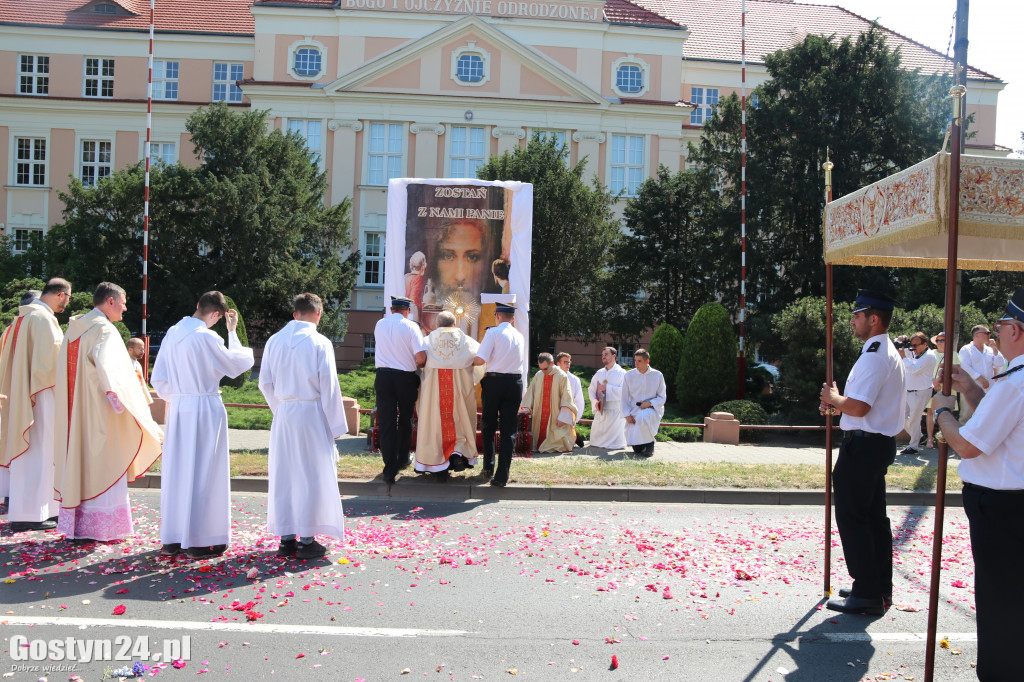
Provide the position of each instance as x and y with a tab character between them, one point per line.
586	471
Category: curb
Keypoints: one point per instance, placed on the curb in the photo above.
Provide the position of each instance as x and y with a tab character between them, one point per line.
460	492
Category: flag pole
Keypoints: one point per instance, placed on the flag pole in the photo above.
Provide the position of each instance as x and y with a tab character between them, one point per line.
741	369
145	204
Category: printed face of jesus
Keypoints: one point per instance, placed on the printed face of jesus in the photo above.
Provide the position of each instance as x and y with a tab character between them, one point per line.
461	259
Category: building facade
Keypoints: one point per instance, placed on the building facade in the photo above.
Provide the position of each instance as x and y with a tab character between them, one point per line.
381	89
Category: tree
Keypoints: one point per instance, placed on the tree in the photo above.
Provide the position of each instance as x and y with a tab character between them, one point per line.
849	95
250	221
574	233
707	367
666	348
675	246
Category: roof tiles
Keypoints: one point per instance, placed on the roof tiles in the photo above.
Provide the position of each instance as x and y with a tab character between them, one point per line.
192	16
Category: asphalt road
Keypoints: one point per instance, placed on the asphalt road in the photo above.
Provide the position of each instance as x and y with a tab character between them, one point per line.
492	590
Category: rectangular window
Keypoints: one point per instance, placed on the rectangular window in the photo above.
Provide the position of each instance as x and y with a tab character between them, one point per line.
99	77
95	161
165	153
165	80
385	160
224	76
369	346
373	259
626	351
33	74
546	135
467	151
23	239
627	163
30	164
310	130
704	100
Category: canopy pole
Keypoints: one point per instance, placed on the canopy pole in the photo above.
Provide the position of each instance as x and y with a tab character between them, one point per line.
145	200
957	92
827	587
741	368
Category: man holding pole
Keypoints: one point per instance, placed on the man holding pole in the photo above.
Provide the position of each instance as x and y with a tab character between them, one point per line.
991	445
874	409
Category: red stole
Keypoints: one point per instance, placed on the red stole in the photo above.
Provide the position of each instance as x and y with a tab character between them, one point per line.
72	376
545	409
446	402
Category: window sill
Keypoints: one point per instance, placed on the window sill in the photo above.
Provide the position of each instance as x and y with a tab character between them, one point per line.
41	187
382	188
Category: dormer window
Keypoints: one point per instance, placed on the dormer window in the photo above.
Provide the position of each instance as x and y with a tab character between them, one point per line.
306	59
105	8
630	76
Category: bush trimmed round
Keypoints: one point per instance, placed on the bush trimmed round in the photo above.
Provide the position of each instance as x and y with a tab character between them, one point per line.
747	412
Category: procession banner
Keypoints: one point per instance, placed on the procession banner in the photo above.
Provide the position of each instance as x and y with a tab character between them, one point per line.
450	242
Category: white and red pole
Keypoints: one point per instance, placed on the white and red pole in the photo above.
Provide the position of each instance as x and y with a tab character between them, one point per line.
741	369
145	205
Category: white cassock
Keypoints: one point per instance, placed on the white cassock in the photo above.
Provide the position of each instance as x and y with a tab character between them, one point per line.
195	493
33	471
637	388
576	388
609	427
299	378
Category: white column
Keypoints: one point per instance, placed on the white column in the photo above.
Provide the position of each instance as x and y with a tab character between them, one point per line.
508	138
589	145
426	148
343	167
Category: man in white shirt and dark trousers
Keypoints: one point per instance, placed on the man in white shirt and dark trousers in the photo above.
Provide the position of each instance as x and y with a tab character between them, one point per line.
992	447
874	410
920	366
503	350
399	349
981	361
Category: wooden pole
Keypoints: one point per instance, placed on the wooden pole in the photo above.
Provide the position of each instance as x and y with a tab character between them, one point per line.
145	200
827	587
952	317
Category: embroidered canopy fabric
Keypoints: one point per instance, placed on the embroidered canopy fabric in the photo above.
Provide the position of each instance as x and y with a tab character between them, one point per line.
902	221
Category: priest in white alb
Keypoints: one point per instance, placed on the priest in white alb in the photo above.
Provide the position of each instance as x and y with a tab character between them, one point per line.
105	436
643	402
195	488
552	409
446	427
28	372
609	428
299	378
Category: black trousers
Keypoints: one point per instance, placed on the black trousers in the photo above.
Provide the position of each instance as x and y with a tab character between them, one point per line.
997	543
396	398
858	481
501	396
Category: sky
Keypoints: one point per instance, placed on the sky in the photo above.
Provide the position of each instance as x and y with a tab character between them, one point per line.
994	35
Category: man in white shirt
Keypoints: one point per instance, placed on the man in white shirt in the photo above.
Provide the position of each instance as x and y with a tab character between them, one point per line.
399	348
564	362
299	378
609	428
643	403
992	447
874	410
920	367
195	484
981	360
503	350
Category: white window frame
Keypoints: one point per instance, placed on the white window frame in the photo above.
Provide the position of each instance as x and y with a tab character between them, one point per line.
392	163
465	154
645	75
625	164
96	162
304	124
232	93
367	258
307	43
100	77
471	48
32	164
37	78
162	81
22	237
625	359
369	346
705	100
158	153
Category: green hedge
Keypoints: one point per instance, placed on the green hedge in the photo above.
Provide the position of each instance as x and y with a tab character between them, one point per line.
747	412
707	367
222	329
666	349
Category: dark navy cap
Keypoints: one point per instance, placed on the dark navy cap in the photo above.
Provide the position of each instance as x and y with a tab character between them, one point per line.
868	298
1015	308
400	302
505	308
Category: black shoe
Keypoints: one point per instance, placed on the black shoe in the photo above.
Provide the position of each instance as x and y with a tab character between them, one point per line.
649	449
845	592
171	549
442	476
487	472
288	547
862	605
206	552
23	526
495	483
909	450
458	463
313	550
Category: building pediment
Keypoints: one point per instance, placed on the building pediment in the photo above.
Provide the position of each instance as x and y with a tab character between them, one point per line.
472	58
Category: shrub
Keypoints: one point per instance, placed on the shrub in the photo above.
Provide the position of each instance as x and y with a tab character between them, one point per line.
707	365
222	329
931	319
665	349
747	412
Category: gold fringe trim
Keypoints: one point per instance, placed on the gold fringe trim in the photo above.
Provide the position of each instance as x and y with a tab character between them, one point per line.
932	263
928	229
